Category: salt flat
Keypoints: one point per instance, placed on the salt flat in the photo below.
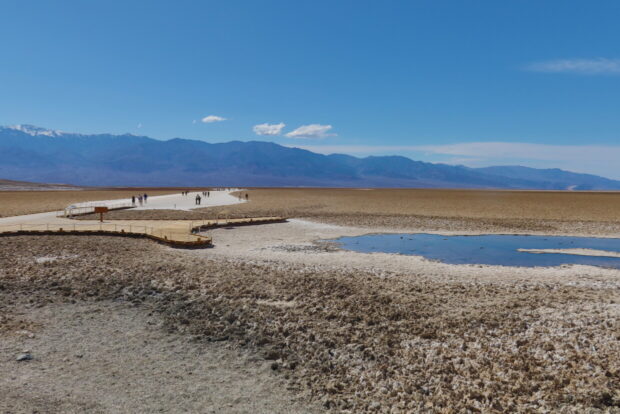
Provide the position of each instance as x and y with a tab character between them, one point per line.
357	332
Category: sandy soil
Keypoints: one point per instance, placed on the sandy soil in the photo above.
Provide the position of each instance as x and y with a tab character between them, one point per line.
111	356
357	336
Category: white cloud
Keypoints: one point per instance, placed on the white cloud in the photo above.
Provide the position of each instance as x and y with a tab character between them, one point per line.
212	118
598	66
268	129
139	125
314	131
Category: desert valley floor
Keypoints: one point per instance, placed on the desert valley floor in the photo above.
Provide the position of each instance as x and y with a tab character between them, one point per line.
274	319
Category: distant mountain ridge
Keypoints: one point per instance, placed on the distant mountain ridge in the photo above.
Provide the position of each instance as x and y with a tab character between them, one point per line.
29	153
9	185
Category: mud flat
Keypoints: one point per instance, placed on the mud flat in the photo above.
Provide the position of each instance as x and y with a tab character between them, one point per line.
350	332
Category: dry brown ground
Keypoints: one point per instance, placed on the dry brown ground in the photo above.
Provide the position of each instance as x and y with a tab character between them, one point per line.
15	203
458	210
356	340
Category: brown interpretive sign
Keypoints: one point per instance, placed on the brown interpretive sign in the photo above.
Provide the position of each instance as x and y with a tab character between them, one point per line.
101	210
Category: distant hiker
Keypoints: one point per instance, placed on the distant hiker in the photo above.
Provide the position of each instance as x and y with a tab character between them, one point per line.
246	196
133	200
140	199
208	193
197	199
145	197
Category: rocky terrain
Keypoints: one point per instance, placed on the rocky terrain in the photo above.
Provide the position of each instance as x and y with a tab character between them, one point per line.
350	340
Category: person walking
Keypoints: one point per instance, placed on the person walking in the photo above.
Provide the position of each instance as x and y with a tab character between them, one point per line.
140	200
197	199
246	197
133	201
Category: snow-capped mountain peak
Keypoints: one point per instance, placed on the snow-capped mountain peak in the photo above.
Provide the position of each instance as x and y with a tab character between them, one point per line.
35	130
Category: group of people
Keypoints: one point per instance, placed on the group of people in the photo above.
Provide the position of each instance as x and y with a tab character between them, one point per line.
141	199
204	193
198	197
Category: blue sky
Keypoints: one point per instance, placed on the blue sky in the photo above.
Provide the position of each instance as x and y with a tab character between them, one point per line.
470	82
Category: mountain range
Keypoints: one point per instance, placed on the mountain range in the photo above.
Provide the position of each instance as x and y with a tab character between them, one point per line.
30	153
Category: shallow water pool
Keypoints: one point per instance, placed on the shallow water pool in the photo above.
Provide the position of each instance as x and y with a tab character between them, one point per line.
488	249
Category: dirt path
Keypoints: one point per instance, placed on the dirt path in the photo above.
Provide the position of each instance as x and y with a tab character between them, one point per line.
163	202
108	357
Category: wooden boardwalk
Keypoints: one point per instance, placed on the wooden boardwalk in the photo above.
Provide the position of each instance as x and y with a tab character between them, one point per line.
178	233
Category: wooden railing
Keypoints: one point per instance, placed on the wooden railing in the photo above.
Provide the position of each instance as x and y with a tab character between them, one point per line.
171	236
89	208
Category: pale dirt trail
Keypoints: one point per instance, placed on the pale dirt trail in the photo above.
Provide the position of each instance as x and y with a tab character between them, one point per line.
108	357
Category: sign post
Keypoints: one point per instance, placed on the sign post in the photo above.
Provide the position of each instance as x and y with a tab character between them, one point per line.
101	210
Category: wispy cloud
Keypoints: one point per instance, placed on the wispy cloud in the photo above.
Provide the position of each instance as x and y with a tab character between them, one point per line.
212	118
593	159
357	149
312	131
269	129
598	66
